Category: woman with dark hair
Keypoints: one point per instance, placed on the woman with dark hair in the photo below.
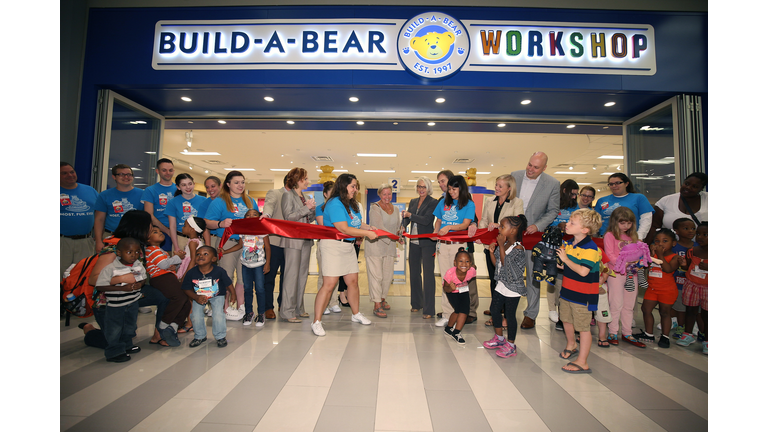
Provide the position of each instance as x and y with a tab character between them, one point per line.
296	208
586	196
185	203
232	203
134	224
690	203
623	195
454	213
327	187
342	212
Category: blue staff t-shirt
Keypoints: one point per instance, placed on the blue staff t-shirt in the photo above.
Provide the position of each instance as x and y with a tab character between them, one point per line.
77	206
453	215
218	211
636	202
564	215
159	196
335	212
115	204
182	209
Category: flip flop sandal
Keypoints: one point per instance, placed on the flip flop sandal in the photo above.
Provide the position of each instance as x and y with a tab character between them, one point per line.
160	342
184	329
603	343
415	310
380	313
427	316
579	369
385	305
570	354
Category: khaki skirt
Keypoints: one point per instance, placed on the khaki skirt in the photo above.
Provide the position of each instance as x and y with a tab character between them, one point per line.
339	258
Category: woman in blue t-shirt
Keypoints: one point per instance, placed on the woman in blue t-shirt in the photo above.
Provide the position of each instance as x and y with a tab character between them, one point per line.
342	212
185	203
231	204
623	195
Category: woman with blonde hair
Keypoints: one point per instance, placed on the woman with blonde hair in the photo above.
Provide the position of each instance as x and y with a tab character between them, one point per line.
421	252
380	253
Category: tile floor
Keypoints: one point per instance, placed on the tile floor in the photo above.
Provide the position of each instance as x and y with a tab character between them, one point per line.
398	374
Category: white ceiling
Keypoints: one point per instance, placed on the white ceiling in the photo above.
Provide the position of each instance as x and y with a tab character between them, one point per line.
497	153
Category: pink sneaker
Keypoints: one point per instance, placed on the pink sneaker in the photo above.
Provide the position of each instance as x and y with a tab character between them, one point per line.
495	343
507	350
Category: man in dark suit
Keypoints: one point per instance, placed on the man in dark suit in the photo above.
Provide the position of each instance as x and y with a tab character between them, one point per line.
541	203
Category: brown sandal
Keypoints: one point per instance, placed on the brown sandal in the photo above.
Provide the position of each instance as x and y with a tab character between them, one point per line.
385	305
380	313
427	317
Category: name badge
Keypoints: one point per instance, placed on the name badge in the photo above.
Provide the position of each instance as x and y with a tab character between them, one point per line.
463	288
204	283
64	199
249	241
655	271
699	273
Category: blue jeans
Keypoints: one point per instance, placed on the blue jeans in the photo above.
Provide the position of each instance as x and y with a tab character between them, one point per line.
276	260
152	296
219	318
120	328
254	278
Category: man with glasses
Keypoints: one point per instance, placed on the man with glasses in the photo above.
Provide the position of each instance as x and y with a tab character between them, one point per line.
112	204
75	218
541	203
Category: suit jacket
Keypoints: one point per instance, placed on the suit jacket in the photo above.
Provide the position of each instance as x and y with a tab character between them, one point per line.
545	201
294	210
423	217
273	209
512	208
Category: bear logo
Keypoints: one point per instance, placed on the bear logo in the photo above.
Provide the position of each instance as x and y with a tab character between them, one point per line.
433	45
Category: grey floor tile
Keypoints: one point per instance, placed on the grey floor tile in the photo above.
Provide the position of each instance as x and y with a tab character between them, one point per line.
456	411
221	427
677	420
343	419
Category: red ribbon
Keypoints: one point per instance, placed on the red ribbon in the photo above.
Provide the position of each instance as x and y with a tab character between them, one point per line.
301	230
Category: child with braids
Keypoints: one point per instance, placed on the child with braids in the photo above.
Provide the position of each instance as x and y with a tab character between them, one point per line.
508	257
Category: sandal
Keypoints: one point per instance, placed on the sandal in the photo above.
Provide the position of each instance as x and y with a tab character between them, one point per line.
380	313
159	342
385	305
569	354
613	339
415	310
185	329
603	343
427	317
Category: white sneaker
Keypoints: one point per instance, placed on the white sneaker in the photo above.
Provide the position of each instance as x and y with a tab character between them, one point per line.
317	328
235	314
145	309
327	311
441	322
260	320
553	316
360	318
674	324
209	312
335	309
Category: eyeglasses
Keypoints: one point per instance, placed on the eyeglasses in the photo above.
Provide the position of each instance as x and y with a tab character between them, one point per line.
615	184
421	187
587	196
124	175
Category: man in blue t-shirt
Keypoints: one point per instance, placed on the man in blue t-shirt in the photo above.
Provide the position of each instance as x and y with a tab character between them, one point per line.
114	202
77	202
157	196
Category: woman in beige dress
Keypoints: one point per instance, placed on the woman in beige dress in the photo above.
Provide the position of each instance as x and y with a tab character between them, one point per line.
380	253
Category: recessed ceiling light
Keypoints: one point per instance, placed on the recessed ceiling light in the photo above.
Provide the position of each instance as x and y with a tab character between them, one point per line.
431	124
269	98
290	122
150	152
440	100
206	171
571	126
353	99
361	123
186	99
501	125
525	102
610	157
394	123
189	153
609	104
222	122
377	154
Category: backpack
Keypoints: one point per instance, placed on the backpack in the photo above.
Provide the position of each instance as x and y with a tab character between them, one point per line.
76	285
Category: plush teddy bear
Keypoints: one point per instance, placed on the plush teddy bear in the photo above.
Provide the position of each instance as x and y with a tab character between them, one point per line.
632	260
545	259
433	45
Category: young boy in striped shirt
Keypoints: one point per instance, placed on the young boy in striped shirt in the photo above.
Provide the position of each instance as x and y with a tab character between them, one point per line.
579	295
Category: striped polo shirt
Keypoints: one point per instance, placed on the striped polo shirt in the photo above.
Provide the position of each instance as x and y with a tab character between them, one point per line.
577	289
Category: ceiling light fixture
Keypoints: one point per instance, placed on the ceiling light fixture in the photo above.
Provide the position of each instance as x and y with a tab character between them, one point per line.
571	126
501	125
269	98
525	102
353	99
222	122
202	153
610	104
431	124
290	122
440	100
610	157
361	123
186	99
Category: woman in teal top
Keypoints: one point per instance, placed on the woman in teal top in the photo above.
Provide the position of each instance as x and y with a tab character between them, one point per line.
342	212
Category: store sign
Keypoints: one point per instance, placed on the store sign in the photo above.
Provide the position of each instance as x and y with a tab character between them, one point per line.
431	45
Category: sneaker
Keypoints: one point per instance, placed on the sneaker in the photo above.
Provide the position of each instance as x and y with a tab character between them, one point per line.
686	339
145	309
553	316
133	350
663	342
119	359
317	328
701	337
260	320
360	318
706	347
248	319
593	322
631	339
495	343
642	336
197	342
613	339
235	314
674	323
559	326
335	309
441	322
221	343
208	310
458	338
679	330
448	330
507	350
327	311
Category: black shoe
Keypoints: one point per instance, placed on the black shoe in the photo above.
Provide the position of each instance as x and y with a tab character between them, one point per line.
343	304
120	358
133	350
458	338
221	343
197	342
663	342
470	319
644	337
559	325
448	330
